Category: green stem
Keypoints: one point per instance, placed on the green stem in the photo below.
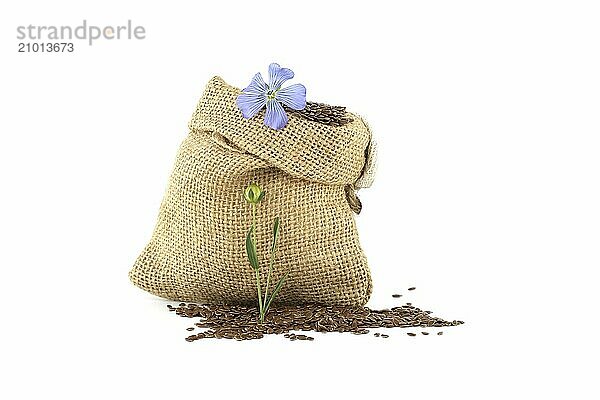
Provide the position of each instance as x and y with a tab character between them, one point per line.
260	305
258	285
271	261
254	223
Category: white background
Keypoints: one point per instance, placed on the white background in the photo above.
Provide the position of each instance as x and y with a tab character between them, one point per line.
487	196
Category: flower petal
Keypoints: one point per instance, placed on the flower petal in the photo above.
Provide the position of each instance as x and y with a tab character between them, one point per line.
275	117
278	75
293	96
251	103
257	85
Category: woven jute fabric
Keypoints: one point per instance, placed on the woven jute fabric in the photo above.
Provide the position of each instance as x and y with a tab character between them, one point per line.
308	170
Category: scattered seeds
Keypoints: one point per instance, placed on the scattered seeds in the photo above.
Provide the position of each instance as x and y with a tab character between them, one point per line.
293	336
411	334
440	333
425	333
383	335
412	288
239	322
376	334
189	329
396	296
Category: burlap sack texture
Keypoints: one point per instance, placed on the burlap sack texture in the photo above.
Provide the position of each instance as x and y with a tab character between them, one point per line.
308	170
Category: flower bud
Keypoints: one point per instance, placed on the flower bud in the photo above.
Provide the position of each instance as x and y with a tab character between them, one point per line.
253	194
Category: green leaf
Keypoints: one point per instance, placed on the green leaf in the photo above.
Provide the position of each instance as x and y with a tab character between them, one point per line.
260	197
275	234
251	249
276	290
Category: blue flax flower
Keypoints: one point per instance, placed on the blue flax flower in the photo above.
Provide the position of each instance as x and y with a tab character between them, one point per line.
258	95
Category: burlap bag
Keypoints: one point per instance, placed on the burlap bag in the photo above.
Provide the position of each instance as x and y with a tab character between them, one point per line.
309	172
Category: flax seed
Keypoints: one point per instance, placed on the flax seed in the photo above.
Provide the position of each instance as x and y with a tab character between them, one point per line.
239	322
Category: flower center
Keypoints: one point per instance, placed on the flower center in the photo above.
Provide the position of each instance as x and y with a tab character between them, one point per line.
271	94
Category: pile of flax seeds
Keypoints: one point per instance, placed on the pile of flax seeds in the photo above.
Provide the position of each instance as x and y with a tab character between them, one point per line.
240	322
